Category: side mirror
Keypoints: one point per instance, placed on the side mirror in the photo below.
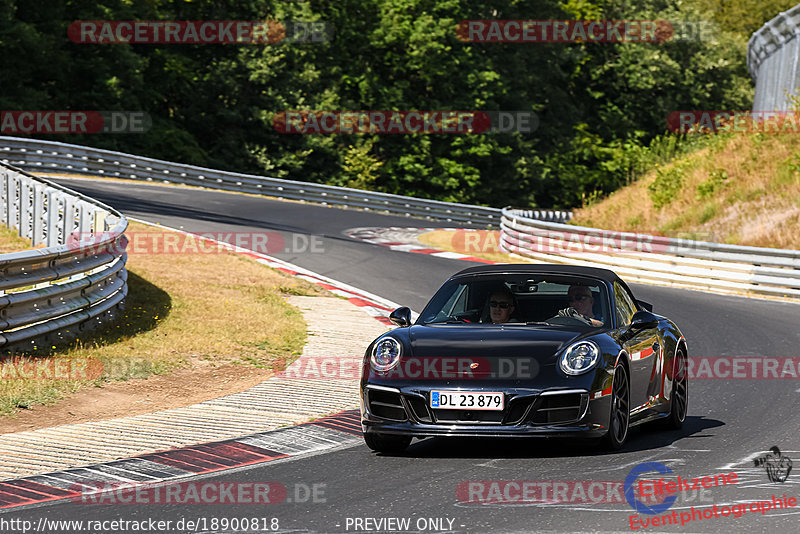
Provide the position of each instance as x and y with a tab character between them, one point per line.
646	305
401	316
642	320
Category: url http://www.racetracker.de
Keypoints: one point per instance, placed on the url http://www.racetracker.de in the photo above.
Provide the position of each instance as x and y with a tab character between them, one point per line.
638	522
197	524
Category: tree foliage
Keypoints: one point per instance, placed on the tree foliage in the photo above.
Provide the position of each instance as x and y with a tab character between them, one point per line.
602	107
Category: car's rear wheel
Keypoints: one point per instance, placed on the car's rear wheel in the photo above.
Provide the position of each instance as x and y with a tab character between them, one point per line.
679	400
620	416
386	443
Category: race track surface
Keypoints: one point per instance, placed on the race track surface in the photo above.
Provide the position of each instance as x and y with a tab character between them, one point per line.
730	421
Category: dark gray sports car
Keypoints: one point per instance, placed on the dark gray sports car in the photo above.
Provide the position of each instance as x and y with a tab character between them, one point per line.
522	350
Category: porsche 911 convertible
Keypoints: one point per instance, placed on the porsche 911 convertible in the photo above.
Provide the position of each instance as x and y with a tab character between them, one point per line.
524	350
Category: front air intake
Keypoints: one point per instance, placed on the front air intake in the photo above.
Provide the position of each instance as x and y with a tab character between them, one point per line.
559	408
386	405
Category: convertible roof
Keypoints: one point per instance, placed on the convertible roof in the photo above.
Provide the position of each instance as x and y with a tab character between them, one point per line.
546	268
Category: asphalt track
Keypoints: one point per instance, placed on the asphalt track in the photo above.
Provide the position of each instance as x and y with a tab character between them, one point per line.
729	421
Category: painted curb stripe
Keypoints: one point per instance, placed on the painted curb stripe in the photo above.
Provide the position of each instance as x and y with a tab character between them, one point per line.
375	235
159	467
349	421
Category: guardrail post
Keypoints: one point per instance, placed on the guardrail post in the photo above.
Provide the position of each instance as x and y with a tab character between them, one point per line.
5	200
99	223
53	208
13	202
68	222
85	220
25	210
39	220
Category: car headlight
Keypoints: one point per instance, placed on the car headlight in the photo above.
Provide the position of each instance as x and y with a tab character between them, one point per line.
385	354
579	357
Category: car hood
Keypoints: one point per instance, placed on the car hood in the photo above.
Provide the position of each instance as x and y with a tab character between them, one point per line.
489	341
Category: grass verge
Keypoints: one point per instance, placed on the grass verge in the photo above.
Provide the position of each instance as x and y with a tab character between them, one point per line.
182	310
741	189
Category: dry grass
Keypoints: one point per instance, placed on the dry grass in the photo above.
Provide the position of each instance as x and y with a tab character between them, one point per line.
11	242
742	189
183	310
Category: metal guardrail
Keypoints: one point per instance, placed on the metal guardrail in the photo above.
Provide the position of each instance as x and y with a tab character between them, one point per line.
47	156
76	280
772	59
653	259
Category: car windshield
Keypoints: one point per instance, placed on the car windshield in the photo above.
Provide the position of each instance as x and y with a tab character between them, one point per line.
522	299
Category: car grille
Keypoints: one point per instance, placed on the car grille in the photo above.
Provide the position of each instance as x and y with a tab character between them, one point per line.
468	417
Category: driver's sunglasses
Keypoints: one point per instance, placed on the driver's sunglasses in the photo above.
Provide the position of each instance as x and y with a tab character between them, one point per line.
578	298
501	305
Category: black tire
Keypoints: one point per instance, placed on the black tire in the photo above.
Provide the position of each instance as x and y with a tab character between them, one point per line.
620	413
386	443
679	398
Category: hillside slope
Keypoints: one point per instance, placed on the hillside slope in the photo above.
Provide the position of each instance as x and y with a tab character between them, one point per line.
741	188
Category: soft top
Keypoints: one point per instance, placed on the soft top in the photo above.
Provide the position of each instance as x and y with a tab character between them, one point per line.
542	268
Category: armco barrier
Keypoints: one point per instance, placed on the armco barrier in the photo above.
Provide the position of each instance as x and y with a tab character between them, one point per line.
772	58
50	157
72	283
653	259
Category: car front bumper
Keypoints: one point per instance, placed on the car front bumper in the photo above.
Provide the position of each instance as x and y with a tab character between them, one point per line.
555	412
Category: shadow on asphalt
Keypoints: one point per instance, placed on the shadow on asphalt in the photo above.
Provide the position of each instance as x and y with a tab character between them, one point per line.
640	438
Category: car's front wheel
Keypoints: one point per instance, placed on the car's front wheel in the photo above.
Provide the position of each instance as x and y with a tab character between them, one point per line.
619	418
386	443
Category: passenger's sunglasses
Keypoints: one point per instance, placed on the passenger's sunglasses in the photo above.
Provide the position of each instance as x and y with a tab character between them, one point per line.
501	305
578	298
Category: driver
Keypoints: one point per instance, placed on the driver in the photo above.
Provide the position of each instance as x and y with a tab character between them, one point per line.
501	306
580	305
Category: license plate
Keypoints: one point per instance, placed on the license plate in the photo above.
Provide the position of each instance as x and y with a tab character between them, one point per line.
466	400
